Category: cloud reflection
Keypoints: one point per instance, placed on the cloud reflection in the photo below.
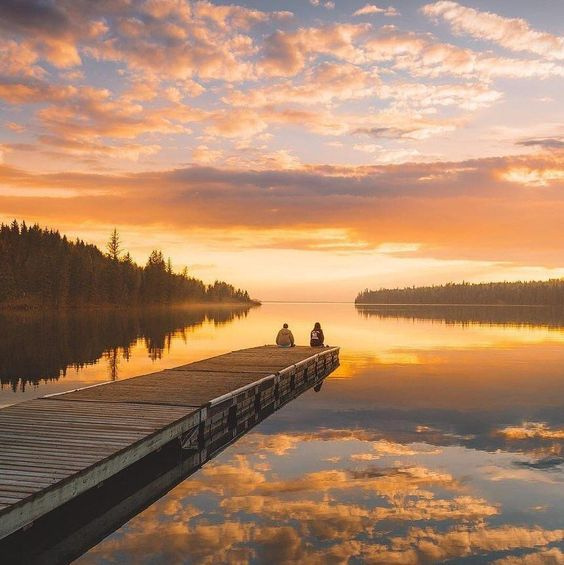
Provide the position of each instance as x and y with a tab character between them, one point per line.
394	510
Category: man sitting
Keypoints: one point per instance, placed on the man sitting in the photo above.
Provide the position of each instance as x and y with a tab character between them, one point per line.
285	337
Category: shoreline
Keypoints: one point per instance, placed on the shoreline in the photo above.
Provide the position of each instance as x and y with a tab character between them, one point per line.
30	308
458	304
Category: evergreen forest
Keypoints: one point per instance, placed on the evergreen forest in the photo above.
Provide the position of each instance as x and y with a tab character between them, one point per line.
534	293
42	268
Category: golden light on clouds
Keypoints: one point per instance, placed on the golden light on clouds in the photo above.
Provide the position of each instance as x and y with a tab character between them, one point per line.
533	177
531	430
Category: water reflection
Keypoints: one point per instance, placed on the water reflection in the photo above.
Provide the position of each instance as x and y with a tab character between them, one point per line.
468	314
36	347
440	438
374	502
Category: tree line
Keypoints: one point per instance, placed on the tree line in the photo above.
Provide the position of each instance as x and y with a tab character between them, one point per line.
535	293
39	267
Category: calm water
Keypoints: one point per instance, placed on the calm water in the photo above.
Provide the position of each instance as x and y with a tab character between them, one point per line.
440	437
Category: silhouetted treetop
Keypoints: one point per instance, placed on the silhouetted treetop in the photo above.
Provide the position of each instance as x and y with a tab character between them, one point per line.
114	246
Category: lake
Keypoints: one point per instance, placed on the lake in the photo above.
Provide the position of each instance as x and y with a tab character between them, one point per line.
439	438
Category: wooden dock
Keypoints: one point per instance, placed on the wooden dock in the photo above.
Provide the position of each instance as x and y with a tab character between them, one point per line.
55	448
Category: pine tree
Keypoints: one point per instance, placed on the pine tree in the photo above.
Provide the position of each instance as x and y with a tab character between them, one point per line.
114	246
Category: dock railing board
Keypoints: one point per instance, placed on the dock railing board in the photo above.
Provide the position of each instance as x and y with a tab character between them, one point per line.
57	447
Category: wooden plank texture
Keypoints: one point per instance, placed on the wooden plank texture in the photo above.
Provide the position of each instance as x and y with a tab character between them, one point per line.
172	387
270	358
53	449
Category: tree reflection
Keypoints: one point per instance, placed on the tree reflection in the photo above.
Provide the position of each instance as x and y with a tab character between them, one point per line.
466	315
112	355
36	347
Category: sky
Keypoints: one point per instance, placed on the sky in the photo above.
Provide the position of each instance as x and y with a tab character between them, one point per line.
303	150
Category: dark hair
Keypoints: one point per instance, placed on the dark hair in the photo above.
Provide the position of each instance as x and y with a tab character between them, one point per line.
317	326
285	326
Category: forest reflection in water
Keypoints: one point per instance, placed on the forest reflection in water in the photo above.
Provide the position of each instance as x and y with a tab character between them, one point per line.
468	314
40	346
439	438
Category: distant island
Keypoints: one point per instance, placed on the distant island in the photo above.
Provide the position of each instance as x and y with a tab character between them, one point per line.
533	293
40	268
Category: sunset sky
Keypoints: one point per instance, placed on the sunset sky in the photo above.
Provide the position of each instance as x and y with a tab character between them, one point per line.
303	149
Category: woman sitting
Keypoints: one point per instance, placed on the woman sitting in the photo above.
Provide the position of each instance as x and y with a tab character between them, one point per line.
316	337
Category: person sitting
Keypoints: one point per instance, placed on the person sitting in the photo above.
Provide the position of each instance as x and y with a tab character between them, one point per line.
285	337
316	337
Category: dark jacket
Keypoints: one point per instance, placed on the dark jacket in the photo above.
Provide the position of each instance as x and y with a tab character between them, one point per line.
316	338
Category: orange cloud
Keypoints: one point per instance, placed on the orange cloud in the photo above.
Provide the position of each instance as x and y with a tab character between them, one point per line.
423	96
237	16
551	556
531	430
19	59
204	155
512	33
324	83
237	122
370	9
18	91
532	177
425	57
201	39
286	53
